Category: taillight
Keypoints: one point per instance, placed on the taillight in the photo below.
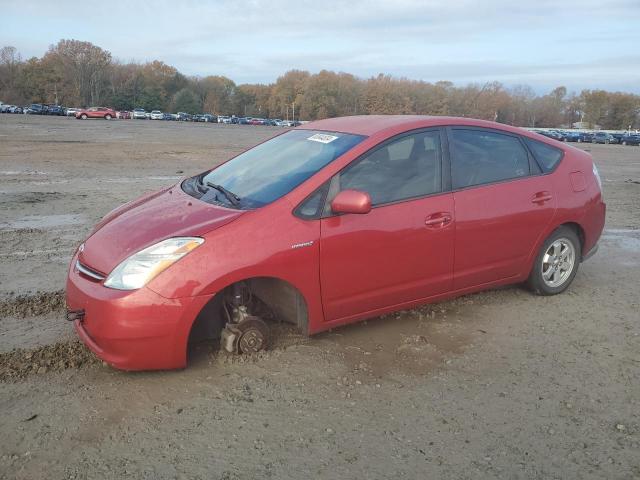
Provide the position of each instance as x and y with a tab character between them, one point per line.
597	175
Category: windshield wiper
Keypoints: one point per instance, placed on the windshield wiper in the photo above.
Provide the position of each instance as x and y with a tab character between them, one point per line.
232	197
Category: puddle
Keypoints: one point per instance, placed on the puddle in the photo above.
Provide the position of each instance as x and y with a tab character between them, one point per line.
166	177
21	172
162	178
410	342
42	222
625	238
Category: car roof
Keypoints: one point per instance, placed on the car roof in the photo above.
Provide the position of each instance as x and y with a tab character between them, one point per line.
372	124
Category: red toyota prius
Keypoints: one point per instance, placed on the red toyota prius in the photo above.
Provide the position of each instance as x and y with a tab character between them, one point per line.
331	223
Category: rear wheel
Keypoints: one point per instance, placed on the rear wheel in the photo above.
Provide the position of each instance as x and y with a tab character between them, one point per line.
557	263
624	142
107	117
83	116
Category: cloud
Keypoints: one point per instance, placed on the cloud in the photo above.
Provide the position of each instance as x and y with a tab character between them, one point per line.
251	41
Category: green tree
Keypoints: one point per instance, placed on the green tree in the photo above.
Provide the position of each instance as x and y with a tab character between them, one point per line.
186	101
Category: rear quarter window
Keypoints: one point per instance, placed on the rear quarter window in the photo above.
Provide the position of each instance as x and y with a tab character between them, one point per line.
548	157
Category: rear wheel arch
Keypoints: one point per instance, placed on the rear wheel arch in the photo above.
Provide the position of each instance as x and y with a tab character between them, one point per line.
579	231
575	226
569	233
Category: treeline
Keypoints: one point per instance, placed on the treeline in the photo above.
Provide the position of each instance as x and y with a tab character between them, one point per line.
80	74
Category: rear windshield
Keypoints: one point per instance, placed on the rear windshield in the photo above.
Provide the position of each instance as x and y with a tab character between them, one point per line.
270	170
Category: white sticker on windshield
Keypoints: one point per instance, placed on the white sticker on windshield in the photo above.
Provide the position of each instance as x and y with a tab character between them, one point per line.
322	138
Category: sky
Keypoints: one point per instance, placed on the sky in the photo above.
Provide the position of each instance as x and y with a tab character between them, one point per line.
579	44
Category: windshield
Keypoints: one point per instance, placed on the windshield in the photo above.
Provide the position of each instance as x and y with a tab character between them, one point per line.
270	170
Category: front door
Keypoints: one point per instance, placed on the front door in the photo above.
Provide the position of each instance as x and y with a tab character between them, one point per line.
403	249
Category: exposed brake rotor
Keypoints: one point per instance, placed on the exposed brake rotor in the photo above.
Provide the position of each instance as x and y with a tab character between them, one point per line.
251	335
254	335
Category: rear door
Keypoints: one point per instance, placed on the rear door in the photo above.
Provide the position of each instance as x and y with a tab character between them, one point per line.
502	204
403	249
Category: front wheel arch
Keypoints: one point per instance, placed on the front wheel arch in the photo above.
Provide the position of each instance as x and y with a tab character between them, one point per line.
283	298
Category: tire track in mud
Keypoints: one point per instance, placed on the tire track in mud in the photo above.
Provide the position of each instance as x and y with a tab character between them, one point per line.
20	363
31	305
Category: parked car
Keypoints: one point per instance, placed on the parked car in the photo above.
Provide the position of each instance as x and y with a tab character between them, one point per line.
37	109
618	136
198	118
156	115
243	121
356	218
207	117
167	116
96	112
55	110
550	134
571	136
124	114
585	137
603	137
71	112
290	123
16	109
139	114
184	117
630	139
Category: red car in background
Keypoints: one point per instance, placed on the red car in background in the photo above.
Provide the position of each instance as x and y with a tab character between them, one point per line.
327	224
96	112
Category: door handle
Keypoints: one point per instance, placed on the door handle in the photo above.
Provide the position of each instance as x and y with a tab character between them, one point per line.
438	220
541	197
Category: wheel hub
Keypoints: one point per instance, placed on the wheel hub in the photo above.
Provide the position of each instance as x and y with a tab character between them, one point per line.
558	262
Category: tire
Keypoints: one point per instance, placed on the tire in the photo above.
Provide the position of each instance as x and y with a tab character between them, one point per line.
624	142
107	117
83	116
547	276
579	140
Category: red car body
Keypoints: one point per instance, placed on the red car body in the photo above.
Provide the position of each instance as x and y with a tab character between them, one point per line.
96	112
345	267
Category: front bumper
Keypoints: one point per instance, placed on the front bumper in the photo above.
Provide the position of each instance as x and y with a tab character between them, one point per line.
132	330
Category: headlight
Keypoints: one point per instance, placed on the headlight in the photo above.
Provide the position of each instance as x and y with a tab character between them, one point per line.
140	268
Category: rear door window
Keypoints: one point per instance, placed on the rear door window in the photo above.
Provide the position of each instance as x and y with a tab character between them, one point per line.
481	157
546	155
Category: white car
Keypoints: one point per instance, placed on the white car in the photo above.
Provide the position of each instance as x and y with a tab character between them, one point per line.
156	115
139	113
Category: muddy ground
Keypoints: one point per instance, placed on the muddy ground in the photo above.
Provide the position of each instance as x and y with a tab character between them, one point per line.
500	384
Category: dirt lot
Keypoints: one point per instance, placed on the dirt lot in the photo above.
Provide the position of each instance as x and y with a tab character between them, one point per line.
501	384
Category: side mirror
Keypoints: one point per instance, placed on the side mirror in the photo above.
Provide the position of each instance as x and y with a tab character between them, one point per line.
351	201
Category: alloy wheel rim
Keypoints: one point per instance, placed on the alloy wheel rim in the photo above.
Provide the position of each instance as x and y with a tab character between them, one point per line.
558	262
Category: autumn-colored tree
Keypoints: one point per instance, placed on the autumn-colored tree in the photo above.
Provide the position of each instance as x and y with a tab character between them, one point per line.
76	73
10	68
82	68
216	94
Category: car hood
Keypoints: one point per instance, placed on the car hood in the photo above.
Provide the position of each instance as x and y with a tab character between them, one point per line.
148	220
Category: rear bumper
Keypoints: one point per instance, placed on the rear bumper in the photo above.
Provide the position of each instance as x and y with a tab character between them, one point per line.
132	330
590	253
